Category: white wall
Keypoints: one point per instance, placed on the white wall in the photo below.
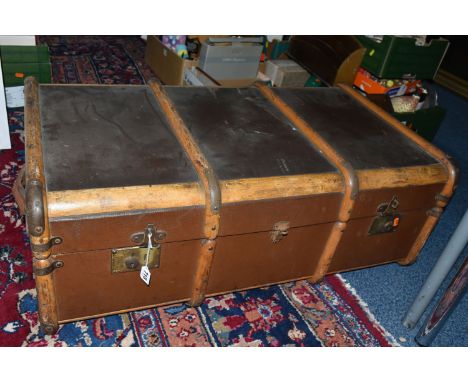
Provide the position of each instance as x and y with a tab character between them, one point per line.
4	132
17	40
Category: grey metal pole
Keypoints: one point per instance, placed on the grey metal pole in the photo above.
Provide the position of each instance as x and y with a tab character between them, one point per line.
446	260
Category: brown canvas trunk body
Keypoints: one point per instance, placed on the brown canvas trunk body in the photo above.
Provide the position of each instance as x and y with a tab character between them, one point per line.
239	188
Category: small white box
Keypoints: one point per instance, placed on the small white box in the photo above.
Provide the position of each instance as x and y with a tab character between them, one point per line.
286	73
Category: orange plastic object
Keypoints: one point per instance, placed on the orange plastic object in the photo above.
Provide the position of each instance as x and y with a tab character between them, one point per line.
373	85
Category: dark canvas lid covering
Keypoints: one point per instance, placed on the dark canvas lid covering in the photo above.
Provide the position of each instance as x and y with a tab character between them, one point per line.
108	136
113	136
243	135
356	133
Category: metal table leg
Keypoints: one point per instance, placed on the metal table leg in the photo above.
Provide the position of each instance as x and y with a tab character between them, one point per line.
446	260
444	308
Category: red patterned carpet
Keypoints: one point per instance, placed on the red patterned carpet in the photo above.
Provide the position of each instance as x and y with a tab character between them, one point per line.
292	314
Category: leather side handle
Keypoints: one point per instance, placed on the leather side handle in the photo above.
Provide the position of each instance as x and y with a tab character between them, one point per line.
35	217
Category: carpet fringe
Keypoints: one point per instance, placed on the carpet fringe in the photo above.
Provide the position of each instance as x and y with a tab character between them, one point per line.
366	309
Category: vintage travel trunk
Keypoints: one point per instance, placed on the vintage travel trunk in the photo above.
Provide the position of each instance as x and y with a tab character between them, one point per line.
217	189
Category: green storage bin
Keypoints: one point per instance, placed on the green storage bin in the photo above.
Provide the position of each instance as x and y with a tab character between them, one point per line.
425	122
400	57
24	54
12	72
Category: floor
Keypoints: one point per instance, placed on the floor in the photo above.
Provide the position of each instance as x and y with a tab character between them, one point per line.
389	290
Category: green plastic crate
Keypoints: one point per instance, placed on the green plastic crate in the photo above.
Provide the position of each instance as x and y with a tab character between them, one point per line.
400	57
425	122
14	74
24	54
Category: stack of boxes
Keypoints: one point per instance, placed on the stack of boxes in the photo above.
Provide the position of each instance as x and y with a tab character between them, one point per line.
225	61
218	60
394	66
19	62
380	66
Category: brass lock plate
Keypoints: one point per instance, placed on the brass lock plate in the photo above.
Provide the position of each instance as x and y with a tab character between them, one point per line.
133	258
387	220
384	224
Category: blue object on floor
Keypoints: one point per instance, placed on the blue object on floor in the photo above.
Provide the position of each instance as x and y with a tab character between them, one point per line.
390	289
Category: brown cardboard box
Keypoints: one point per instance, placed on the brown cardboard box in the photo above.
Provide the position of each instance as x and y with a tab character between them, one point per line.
165	63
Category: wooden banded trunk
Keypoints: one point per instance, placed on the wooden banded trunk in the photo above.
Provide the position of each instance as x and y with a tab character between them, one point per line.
235	189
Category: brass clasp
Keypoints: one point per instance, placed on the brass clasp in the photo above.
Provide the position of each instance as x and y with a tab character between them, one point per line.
133	258
387	220
280	229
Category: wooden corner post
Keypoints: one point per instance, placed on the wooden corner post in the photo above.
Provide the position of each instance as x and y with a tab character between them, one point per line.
211	188
36	211
350	180
442	198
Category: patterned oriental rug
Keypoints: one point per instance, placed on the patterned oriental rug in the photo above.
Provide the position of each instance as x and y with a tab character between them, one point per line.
293	314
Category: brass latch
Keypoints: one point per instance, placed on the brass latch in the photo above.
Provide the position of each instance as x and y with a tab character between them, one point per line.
387	220
133	258
280	229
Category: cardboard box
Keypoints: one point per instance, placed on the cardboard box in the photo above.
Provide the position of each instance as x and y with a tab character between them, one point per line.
227	59
203	38
196	77
170	68
165	63
286	73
